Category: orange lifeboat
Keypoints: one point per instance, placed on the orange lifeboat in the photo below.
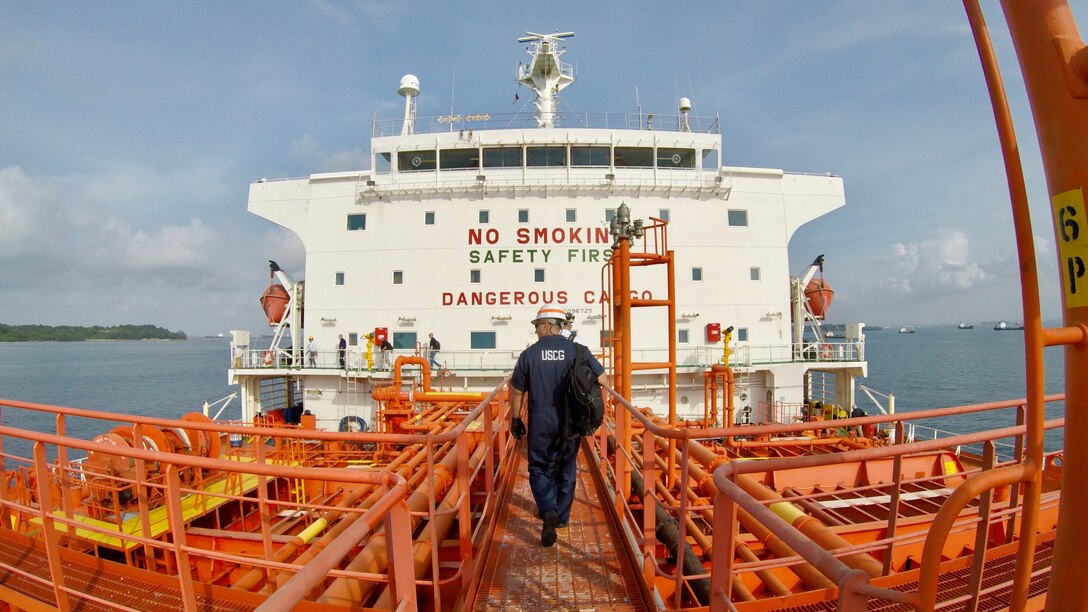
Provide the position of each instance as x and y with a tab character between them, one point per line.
274	302
819	295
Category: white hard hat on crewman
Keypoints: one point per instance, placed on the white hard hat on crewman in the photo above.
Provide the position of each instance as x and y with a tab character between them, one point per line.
550	313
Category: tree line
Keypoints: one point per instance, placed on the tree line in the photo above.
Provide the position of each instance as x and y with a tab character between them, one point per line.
72	333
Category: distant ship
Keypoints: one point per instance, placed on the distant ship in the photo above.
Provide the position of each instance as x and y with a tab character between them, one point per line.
1003	326
906	330
963	325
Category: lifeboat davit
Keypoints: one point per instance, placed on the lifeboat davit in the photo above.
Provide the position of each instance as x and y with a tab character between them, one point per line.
819	295
274	302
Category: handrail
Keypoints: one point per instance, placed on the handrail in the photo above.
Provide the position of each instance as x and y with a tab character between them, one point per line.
853	583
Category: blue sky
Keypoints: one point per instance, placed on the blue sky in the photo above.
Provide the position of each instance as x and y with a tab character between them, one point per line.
130	132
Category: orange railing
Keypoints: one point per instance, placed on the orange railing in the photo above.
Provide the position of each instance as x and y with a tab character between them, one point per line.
464	462
710	477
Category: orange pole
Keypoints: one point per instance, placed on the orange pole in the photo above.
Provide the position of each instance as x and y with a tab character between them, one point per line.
1054	62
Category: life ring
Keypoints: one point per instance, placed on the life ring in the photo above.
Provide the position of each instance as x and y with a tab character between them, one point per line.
267	360
352	423
826	351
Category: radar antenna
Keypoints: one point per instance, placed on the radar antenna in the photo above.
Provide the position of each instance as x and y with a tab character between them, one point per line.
409	88
545	75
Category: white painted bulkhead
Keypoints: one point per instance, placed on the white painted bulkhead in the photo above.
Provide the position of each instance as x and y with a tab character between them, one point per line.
427	226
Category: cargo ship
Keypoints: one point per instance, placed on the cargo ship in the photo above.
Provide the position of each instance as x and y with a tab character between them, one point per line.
731	472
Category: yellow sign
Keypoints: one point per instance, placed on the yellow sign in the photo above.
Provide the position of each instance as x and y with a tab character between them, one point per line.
1072	225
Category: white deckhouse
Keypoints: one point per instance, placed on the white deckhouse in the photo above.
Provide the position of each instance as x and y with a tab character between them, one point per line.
465	224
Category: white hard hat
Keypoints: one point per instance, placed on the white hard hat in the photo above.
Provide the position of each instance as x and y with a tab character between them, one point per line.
551	313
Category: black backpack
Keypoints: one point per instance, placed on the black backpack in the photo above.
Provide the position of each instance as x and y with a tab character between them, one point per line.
585	407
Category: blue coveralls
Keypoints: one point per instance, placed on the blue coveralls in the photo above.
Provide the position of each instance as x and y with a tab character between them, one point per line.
553	462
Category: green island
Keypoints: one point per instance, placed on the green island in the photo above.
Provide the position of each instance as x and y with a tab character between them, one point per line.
72	333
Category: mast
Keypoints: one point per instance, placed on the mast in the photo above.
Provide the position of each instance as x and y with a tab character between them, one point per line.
545	75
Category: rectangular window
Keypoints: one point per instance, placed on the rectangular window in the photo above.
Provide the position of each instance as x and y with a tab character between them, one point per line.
404	340
339	278
474	276
353	339
538	275
675	158
755	273
410	161
357	222
663	214
485	216
609	214
428	217
398	277
502	157
523	215
589	156
682	336
572	215
634	157
482	340
710	160
696	274
383	162
546	156
738	218
742	334
459	159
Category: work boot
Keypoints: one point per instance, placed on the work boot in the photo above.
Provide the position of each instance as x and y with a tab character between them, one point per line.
547	533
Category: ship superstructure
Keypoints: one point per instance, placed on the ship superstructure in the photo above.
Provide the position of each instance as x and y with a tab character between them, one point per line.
465	224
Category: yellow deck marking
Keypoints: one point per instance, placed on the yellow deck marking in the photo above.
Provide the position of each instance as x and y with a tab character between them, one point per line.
1072	228
192	506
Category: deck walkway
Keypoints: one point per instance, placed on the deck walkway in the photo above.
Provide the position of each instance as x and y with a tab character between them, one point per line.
584	570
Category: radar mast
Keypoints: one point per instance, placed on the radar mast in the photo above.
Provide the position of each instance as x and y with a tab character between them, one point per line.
545	75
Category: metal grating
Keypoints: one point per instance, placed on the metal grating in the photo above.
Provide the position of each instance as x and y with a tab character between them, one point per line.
585	570
99	579
955	583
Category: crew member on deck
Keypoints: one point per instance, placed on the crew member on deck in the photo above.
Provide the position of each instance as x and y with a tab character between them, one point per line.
553	461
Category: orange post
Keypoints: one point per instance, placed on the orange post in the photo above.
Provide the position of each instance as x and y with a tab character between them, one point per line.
1054	61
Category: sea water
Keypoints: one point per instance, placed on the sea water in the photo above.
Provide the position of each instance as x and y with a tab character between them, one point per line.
935	367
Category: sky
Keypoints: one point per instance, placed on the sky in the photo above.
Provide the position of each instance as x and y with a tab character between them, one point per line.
130	132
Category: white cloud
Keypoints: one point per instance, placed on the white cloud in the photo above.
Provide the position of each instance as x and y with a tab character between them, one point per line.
942	263
307	151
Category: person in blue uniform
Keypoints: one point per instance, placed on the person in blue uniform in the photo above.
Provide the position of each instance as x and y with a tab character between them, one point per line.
553	460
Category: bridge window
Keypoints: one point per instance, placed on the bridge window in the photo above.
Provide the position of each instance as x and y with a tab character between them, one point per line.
339	278
738	218
710	160
357	222
485	216
404	340
523	215
502	157
408	161
663	214
482	340
696	274
589	156
353	339
428	217
572	215
383	162
474	276
755	274
546	156
675	158
398	277
459	159
538	275
634	157
682	336
742	334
